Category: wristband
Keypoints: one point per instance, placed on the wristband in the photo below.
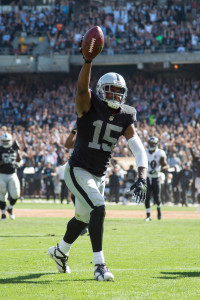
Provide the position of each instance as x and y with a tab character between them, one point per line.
88	61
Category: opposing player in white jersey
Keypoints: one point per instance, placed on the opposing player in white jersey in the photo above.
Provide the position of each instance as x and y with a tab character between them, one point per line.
10	159
156	162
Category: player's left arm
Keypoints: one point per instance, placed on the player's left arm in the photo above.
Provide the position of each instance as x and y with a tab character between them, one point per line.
139	187
138	150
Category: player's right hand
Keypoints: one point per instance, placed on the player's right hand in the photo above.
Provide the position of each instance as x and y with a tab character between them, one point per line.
87	61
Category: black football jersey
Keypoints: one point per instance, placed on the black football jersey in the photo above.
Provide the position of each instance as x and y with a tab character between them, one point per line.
8	156
97	134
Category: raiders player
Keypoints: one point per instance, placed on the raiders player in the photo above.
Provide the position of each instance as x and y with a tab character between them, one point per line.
102	119
10	159
156	162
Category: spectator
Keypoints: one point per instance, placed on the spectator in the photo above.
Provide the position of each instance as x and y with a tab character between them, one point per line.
136	28
48	179
37	192
185	179
64	193
114	185
175	183
130	178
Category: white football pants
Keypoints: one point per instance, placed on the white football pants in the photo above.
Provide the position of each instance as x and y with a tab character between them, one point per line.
88	190
9	183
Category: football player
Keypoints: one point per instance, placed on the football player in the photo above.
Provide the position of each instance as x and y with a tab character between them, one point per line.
156	162
10	159
102	118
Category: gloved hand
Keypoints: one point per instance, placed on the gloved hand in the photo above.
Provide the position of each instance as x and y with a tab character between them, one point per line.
138	190
86	61
152	172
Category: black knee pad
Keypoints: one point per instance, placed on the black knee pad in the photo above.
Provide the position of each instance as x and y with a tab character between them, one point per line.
74	228
2	205
99	211
12	201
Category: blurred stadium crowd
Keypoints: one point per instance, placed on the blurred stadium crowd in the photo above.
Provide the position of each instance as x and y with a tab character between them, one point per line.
128	26
40	115
39	111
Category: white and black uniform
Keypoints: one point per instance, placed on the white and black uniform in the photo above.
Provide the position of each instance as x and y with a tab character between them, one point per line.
153	176
9	182
97	131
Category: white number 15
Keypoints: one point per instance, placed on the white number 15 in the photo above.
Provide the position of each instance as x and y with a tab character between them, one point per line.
109	127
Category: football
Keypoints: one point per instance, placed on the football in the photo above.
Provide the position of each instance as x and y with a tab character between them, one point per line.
92	43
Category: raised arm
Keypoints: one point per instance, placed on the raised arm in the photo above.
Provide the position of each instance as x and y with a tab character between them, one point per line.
91	45
83	94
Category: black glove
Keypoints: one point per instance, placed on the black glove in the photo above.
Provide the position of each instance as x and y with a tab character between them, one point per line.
152	172
86	60
138	190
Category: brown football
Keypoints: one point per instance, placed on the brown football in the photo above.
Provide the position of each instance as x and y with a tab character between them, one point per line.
93	42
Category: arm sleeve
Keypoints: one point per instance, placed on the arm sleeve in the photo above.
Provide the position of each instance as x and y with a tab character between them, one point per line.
138	151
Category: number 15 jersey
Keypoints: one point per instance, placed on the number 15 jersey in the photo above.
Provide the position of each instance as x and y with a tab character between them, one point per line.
97	134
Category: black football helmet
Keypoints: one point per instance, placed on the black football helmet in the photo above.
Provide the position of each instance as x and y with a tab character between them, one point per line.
153	143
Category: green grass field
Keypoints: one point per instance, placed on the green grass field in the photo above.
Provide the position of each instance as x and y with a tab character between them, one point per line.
156	260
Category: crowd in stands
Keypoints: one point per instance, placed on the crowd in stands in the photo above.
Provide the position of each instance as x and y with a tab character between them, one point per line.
39	112
40	109
128	26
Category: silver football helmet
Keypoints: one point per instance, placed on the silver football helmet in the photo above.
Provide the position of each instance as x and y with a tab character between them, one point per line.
104	84
153	143
6	140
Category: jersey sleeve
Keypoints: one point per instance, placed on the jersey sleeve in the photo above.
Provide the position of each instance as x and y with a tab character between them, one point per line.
131	115
134	115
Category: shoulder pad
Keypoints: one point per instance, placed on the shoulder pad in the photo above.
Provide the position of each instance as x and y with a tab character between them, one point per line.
130	110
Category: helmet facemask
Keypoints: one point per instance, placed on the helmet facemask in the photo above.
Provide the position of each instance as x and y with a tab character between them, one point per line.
107	84
152	146
153	143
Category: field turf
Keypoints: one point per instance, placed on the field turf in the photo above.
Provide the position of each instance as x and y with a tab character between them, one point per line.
155	260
